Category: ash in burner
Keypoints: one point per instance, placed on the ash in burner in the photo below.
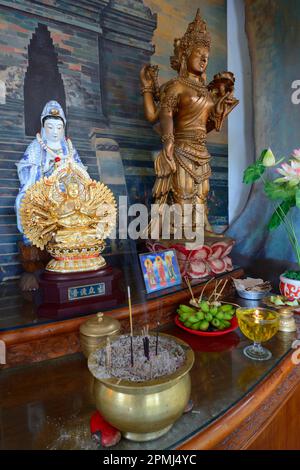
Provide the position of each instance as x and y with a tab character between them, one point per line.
170	357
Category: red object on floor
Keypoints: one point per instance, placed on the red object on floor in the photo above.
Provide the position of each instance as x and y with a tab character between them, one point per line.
102	432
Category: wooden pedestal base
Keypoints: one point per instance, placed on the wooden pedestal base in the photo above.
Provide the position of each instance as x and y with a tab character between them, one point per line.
66	295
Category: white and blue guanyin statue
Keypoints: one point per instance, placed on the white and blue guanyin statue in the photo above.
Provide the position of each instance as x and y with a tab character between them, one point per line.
46	151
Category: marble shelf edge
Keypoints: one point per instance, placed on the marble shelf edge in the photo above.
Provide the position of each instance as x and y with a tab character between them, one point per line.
56	339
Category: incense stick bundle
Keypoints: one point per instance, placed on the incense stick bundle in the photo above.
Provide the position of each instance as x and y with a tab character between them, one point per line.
220	293
203	290
187	281
214	292
108	353
146	342
156	345
131	325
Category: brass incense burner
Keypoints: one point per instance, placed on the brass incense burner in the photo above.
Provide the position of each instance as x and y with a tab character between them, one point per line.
146	410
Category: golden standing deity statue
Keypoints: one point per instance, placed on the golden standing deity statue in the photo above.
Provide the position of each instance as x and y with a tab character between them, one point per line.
187	110
70	215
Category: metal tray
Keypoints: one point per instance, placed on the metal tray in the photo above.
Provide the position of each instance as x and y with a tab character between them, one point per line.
251	295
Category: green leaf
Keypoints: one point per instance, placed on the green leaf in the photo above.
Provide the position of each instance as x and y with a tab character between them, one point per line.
280	160
279	191
280	213
253	173
297	197
280	180
292	275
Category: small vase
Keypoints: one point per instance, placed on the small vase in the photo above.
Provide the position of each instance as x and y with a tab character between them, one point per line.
289	287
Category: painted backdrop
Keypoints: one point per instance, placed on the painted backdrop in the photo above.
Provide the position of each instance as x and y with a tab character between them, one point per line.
90	54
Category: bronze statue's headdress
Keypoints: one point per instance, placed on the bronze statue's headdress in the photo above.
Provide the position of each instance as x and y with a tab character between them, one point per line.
195	35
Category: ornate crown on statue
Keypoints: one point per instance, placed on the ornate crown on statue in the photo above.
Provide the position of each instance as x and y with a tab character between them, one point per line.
195	35
70	215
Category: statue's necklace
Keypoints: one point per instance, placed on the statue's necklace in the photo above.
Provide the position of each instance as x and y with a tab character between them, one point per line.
199	87
52	152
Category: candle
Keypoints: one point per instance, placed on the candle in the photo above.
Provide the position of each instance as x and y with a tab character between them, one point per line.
258	325
257	316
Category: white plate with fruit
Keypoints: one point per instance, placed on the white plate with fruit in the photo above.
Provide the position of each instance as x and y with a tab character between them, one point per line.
281	302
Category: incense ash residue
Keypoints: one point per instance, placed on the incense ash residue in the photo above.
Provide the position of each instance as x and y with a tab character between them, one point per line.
170	357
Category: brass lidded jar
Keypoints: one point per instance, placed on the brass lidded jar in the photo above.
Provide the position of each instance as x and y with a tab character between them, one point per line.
95	330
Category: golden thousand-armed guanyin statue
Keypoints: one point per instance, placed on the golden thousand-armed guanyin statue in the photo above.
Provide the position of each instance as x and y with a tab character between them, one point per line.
187	110
70	215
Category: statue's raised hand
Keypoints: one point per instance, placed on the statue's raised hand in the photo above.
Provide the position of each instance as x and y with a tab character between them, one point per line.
145	76
226	103
222	104
149	80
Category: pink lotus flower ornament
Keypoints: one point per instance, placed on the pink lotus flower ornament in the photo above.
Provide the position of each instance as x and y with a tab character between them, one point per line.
269	158
296	154
291	173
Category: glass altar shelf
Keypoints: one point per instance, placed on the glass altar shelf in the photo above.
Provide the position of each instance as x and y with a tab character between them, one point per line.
19	310
48	405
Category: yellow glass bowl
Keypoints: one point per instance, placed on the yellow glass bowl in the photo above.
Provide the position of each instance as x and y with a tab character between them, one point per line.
258	325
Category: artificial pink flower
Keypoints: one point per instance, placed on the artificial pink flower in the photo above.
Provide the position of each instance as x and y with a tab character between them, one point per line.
291	173
296	154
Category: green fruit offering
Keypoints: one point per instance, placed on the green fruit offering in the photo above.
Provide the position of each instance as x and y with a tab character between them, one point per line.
196	326
220	316
200	315
183	316
193	319
216	323
208	314
226	307
187	309
228	316
208	317
214	310
204	325
204	306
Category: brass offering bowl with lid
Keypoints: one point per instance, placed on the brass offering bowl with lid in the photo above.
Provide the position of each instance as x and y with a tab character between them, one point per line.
95	331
